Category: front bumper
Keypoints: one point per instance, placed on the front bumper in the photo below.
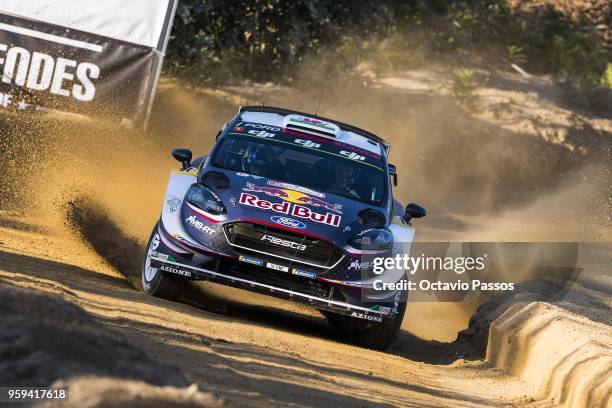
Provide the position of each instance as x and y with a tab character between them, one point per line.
317	302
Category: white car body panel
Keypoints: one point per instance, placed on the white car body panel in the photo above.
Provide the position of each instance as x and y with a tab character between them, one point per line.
350	138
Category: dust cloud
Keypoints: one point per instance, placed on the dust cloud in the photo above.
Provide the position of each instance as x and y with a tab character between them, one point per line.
478	181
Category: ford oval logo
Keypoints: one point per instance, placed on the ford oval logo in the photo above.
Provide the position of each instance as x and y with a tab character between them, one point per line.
288	222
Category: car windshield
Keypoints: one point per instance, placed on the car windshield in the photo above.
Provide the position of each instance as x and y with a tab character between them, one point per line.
309	163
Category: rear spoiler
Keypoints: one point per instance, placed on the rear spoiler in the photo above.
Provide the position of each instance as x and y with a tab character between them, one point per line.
343	126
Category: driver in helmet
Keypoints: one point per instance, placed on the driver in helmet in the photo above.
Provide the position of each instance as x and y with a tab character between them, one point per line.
259	160
344	177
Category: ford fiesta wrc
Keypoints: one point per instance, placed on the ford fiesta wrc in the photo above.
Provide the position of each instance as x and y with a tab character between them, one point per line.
289	205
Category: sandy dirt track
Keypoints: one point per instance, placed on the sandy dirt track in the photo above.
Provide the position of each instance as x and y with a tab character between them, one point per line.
248	355
72	225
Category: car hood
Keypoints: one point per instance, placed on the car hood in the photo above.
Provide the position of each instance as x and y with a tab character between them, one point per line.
290	206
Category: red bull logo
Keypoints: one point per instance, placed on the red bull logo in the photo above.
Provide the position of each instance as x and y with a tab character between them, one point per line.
293	196
286	207
270	191
317	202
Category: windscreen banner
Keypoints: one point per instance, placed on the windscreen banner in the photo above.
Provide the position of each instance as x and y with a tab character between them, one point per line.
82	58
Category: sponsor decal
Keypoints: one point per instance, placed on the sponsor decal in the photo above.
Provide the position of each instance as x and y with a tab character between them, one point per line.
272	192
294	210
48	67
277	267
306	274
293	196
261	133
206	215
173	203
250	260
359	265
199	225
313	122
323	144
155	242
381	309
346	229
288	222
308	143
163	257
263	127
356	284
43	72
327	145
176	271
239	129
283	242
254	201
366	316
294	187
352	155
305	212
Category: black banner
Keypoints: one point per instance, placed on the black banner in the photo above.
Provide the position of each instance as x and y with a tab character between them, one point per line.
47	67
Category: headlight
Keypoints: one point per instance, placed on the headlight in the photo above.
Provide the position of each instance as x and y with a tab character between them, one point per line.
374	239
203	198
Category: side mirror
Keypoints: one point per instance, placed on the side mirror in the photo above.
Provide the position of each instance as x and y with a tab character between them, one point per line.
414	211
393	173
183	156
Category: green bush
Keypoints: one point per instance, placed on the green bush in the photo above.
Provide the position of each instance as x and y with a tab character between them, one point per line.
516	54
542	41
606	77
463	88
216	41
266	40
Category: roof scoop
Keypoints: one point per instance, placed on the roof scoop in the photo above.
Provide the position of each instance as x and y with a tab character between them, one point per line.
312	126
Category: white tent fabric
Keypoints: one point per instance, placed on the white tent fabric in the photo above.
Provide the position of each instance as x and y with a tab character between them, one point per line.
135	21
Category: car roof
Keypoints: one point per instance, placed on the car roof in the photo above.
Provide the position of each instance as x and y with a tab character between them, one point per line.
348	134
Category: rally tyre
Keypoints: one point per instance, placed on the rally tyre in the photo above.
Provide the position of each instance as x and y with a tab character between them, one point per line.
156	282
377	336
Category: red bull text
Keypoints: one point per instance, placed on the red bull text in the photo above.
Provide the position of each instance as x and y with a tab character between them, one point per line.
289	208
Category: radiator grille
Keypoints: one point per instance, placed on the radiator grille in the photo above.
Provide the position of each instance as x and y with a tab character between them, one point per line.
282	244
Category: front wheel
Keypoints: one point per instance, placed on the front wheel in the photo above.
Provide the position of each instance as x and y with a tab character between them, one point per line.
154	281
377	336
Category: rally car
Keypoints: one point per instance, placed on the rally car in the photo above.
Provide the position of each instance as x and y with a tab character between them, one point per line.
290	205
